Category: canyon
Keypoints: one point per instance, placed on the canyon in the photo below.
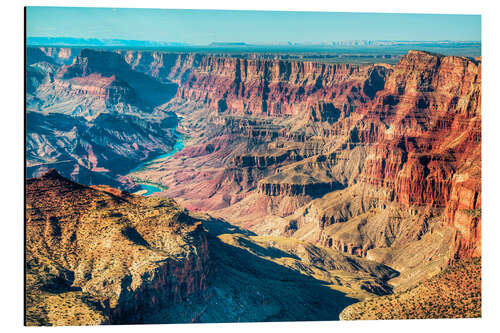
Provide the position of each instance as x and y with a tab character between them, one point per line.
97	255
350	180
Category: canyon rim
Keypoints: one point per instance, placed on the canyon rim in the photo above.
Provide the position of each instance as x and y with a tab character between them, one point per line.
228	180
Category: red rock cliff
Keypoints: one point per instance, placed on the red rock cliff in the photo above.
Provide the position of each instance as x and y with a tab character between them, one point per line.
418	122
262	87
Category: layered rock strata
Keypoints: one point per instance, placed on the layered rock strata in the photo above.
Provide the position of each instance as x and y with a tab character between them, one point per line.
410	133
98	255
120	256
375	160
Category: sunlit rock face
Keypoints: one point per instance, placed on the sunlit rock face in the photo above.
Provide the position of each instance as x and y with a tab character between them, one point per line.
98	255
116	257
375	162
285	134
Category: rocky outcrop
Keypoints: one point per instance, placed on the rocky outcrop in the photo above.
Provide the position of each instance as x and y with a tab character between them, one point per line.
123	256
435	120
434	298
150	91
287	189
62	55
261	86
110	89
264	161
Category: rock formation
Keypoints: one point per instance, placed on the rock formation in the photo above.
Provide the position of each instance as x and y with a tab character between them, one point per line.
117	256
299	136
454	293
93	119
102	256
379	162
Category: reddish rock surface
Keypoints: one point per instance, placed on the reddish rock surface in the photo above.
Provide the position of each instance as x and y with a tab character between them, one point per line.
263	87
269	141
375	161
415	129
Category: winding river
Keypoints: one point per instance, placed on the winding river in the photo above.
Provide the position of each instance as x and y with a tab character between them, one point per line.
146	189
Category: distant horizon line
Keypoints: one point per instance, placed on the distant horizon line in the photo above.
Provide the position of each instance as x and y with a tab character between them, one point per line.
254	43
340	42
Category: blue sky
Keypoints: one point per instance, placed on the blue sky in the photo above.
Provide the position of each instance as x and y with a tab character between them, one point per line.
205	26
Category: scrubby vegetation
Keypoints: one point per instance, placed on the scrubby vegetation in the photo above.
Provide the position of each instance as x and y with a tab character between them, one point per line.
454	293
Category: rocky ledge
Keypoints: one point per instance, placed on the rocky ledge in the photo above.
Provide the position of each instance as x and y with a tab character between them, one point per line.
107	258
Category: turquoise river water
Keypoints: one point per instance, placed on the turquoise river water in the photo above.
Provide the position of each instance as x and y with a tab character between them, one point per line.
151	188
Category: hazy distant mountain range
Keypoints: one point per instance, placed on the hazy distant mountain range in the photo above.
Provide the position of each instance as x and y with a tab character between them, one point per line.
95	42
